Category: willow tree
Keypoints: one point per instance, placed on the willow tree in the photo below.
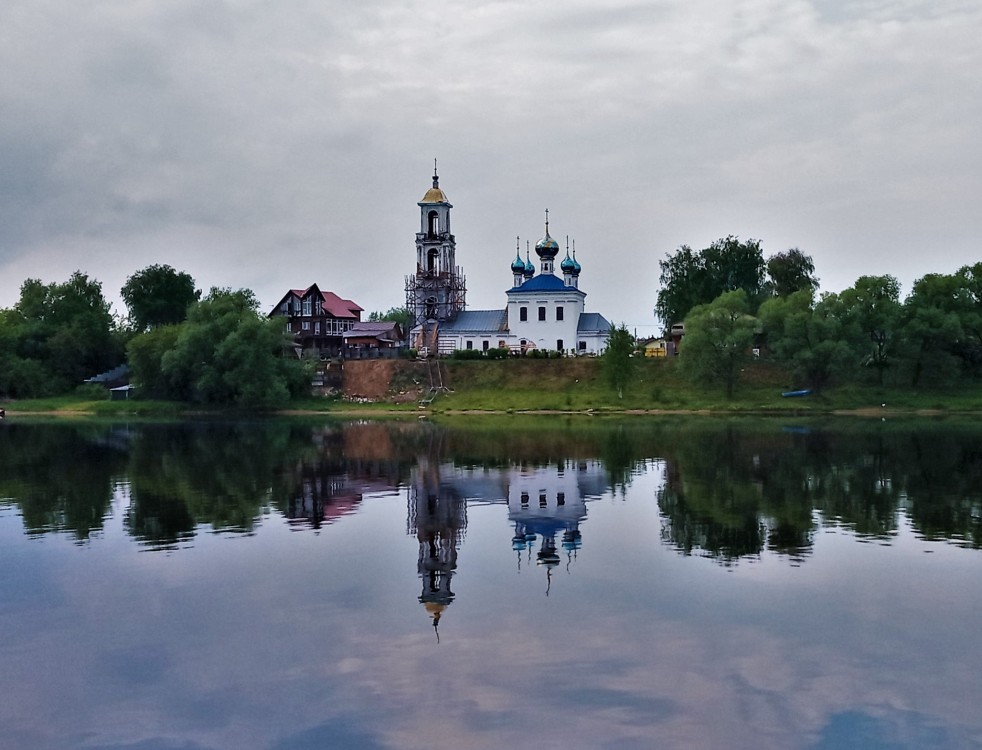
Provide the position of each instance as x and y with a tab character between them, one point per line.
718	340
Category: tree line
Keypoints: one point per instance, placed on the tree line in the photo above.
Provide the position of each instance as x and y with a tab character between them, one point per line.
736	305
212	349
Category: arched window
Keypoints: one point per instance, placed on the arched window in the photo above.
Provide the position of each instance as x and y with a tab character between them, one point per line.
433	224
431	259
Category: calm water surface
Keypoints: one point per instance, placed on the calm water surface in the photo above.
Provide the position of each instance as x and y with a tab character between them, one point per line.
541	583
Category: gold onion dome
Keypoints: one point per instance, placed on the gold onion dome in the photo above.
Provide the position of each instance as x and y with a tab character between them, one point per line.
435	194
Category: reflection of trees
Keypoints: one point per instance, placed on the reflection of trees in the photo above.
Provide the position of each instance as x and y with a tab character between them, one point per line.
222	475
710	500
944	488
735	492
61	475
733	488
855	479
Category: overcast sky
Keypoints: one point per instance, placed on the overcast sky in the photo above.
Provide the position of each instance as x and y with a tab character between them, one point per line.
273	145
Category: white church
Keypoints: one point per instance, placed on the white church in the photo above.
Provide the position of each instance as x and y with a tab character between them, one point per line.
543	312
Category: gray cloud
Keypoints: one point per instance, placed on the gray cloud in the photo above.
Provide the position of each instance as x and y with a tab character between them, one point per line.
274	146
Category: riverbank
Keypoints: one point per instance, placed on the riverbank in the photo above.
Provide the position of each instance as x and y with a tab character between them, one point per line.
398	388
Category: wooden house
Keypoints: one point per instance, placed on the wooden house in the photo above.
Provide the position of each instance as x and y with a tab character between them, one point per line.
317	320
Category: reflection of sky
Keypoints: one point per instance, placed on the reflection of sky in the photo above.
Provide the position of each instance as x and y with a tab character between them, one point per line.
294	640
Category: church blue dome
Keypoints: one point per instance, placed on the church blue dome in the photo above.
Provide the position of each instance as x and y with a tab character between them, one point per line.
568	265
576	264
529	268
518	265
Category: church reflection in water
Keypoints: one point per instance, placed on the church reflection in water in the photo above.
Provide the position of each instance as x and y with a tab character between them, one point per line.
546	506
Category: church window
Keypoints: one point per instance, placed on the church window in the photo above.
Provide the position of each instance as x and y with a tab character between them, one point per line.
523	314
485	345
542	499
559	345
469	344
561	498
433	227
559	313
582	346
542	313
431	260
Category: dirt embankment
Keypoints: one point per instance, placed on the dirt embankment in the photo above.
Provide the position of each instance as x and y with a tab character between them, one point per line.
392	380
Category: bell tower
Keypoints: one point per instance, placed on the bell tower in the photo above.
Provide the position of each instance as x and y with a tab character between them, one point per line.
436	292
435	244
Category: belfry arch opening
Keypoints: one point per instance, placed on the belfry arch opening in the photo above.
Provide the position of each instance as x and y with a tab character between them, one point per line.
431	260
432	224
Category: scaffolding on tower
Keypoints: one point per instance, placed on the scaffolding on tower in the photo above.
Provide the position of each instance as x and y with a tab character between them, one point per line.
432	298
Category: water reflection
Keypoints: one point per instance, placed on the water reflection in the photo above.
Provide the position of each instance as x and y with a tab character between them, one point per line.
568	575
731	491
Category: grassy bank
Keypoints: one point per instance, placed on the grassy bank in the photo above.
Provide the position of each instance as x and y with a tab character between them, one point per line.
571	385
659	385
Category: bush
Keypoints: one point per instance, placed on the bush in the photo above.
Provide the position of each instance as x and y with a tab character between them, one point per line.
92	392
467	354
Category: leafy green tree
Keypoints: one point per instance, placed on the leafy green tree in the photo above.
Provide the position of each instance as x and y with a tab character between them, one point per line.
931	330
789	272
226	352
718	339
56	336
20	377
617	362
684	285
400	315
968	305
870	312
145	354
158	295
805	337
692	278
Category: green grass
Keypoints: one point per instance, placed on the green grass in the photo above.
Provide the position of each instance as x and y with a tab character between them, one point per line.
83	404
579	385
572	385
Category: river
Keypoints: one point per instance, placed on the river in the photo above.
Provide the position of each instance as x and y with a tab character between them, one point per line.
493	582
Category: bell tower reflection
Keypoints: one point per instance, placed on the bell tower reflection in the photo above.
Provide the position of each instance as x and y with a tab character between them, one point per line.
438	518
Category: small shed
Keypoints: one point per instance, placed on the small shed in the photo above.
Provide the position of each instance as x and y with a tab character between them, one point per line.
121	393
656	347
